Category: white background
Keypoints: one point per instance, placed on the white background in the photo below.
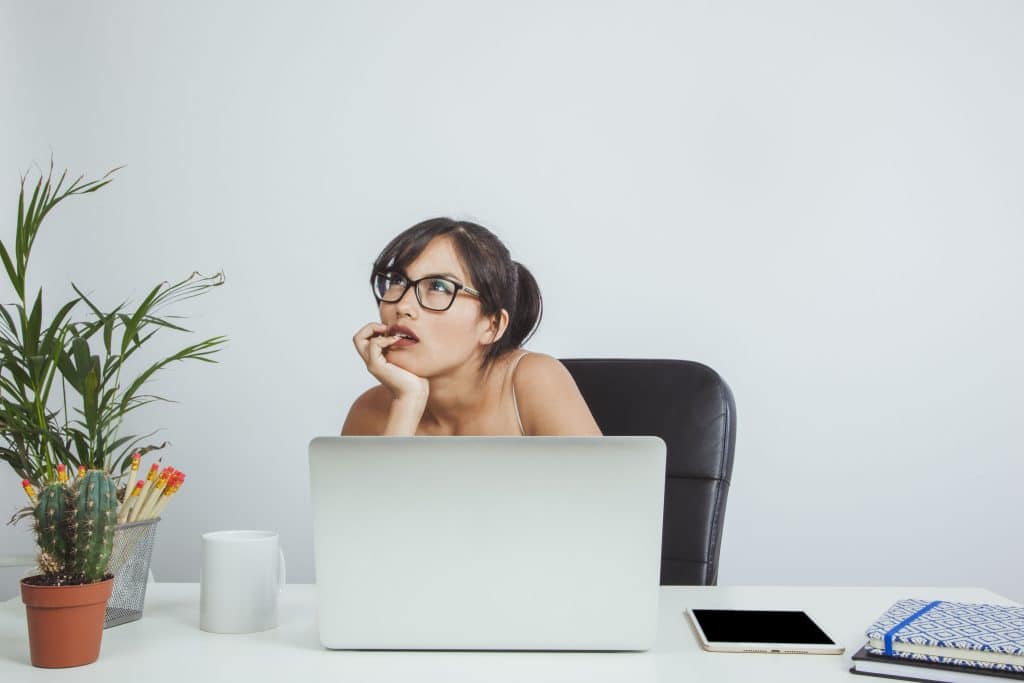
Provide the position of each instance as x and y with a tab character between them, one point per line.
820	200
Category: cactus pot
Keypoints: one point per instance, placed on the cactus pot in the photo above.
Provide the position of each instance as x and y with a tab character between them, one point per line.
65	623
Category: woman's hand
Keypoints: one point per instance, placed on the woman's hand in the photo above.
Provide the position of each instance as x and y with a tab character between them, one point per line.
370	342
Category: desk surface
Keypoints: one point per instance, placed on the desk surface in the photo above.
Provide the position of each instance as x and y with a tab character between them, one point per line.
167	645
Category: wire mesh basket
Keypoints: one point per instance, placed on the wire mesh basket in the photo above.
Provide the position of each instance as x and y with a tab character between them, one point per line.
129	563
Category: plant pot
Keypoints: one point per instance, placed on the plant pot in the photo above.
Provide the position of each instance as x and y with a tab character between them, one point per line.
65	623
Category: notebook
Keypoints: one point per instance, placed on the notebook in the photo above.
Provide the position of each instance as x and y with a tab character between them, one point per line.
487	542
963	634
865	663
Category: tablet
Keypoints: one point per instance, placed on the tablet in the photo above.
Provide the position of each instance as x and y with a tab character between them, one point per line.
782	632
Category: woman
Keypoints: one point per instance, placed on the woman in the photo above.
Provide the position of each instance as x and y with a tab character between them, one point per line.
455	310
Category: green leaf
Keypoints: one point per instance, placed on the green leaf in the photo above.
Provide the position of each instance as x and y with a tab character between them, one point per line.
69	371
80	353
132	325
108	332
18	373
21	208
137	346
81	442
9	322
28	226
162	322
90	304
57	325
35	320
90	402
16	282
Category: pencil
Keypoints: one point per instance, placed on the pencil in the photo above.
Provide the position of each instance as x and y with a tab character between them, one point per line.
167	496
29	491
133	515
151	478
129	502
145	512
157	490
130	488
172	488
161	503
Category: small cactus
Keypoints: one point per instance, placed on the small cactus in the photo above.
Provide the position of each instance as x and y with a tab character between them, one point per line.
75	523
51	514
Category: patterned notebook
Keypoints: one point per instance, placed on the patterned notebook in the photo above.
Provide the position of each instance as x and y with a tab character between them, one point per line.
964	634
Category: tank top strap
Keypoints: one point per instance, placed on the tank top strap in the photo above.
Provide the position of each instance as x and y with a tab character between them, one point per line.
515	403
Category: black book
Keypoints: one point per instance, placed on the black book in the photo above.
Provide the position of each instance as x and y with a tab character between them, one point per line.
900	668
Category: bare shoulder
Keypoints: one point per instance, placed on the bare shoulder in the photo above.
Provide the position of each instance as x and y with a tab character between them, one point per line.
549	401
368	415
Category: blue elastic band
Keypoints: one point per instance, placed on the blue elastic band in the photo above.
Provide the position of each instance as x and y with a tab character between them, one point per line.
889	634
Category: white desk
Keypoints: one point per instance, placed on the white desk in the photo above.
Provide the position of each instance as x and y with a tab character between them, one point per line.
167	645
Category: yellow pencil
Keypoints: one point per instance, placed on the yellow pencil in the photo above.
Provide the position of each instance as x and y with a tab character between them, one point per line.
154	495
166	499
162	503
29	491
156	491
130	488
133	515
129	502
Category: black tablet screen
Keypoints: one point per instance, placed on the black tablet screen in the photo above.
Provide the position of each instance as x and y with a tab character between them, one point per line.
749	626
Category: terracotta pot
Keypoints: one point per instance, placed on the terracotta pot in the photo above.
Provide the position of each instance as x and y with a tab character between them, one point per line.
65	623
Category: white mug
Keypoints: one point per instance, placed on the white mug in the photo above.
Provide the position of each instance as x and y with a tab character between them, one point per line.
241	577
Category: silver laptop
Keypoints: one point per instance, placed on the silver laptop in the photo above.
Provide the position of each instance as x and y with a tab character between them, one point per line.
487	542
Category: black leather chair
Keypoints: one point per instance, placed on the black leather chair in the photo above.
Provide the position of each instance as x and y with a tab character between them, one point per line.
692	409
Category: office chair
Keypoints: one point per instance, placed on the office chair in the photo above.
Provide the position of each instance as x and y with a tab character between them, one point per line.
692	409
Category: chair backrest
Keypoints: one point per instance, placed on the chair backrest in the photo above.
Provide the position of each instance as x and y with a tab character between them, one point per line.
692	409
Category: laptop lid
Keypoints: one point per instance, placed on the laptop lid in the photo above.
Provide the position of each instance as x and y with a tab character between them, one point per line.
487	542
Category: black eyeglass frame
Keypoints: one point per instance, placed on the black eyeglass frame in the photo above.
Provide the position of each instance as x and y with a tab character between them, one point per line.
415	288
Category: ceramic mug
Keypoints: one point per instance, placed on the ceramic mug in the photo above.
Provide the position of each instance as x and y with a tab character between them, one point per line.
241	577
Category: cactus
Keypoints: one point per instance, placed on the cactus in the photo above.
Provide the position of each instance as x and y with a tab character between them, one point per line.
96	517
51	517
75	524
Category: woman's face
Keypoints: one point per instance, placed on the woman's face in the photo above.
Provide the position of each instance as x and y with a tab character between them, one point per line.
447	339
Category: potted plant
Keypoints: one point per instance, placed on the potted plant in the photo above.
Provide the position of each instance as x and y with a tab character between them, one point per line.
65	604
75	517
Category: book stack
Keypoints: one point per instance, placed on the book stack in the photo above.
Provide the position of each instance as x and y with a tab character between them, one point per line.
918	640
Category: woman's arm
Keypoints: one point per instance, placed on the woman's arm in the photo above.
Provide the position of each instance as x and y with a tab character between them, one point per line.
550	403
374	413
404	416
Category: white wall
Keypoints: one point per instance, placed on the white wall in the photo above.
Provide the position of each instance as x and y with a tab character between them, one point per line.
820	200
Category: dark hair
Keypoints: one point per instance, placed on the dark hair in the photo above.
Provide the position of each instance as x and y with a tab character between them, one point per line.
502	282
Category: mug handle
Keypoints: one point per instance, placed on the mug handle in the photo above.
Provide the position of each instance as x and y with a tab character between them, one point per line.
281	572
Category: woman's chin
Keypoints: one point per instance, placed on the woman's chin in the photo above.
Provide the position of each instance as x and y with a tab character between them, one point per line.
400	359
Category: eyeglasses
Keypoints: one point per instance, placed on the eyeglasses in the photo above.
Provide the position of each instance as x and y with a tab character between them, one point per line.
433	292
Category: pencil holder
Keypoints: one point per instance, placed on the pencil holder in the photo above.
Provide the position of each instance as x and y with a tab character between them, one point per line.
129	563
